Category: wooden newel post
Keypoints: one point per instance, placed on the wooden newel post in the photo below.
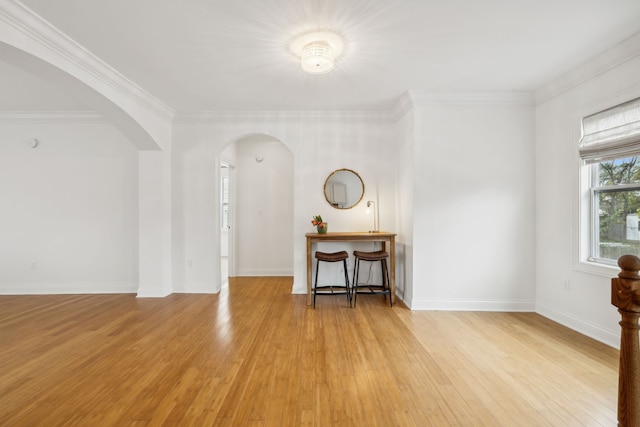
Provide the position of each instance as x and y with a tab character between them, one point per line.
625	294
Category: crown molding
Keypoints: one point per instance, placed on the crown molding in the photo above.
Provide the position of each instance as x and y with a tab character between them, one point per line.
403	105
217	117
512	99
615	56
51	117
23	19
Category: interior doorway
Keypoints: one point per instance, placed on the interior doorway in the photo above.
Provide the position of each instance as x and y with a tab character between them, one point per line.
260	206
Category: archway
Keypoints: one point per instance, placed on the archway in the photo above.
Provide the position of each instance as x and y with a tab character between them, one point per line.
34	46
40	49
261	208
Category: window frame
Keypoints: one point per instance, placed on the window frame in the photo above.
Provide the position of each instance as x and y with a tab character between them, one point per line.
594	205
617	143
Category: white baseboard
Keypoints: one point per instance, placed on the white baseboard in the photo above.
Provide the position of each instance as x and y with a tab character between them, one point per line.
249	272
610	338
472	305
68	288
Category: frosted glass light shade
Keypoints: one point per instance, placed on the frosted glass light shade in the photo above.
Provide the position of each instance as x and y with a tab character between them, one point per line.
317	50
317	57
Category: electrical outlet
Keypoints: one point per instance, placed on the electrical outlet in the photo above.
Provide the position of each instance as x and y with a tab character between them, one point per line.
565	285
34	264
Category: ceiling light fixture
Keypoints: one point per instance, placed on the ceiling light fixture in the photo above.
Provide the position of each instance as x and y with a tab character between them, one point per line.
317	50
317	58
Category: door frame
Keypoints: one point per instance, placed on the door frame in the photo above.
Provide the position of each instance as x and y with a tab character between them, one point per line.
231	231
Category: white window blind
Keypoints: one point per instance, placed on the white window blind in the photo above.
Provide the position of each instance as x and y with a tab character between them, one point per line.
612	133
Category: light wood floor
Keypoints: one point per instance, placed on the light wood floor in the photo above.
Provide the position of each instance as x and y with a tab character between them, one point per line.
255	355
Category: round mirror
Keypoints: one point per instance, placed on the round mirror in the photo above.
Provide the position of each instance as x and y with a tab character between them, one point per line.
343	189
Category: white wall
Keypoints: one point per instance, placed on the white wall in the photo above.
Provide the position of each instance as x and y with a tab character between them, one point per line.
319	145
195	215
605	81
404	171
386	155
68	208
473	217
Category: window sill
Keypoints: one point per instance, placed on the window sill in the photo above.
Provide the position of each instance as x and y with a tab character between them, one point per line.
597	269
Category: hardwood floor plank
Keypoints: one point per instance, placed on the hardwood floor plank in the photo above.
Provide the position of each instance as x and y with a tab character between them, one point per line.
257	355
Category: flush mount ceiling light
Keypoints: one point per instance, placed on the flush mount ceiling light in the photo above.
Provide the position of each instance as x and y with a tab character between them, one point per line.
317	50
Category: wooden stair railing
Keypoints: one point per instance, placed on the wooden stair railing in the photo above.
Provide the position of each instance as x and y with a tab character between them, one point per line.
625	294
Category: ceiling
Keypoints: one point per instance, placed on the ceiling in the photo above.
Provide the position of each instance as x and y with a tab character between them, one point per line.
221	55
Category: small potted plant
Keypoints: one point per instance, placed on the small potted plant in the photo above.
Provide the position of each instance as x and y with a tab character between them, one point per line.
321	226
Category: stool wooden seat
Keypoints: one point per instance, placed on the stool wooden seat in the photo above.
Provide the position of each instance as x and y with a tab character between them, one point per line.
380	289
332	289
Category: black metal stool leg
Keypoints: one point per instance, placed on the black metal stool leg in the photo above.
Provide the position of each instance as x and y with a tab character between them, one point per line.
346	281
356	272
315	285
385	279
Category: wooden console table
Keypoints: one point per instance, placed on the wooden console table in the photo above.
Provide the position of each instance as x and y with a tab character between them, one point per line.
380	236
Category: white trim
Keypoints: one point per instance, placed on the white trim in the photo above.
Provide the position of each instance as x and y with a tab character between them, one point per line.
256	272
51	117
500	98
403	105
68	288
598	65
610	338
597	269
23	19
335	116
472	305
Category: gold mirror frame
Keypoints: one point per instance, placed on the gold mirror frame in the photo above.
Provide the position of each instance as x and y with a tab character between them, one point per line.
341	189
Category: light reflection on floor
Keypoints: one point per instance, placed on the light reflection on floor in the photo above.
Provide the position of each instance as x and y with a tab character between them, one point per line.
224	270
225	331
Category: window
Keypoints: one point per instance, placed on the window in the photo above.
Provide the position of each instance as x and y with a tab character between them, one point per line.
615	201
610	149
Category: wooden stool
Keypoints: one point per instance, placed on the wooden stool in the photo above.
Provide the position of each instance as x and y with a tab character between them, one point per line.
331	289
384	288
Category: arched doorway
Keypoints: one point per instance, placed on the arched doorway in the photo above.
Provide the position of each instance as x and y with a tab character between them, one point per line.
260	212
